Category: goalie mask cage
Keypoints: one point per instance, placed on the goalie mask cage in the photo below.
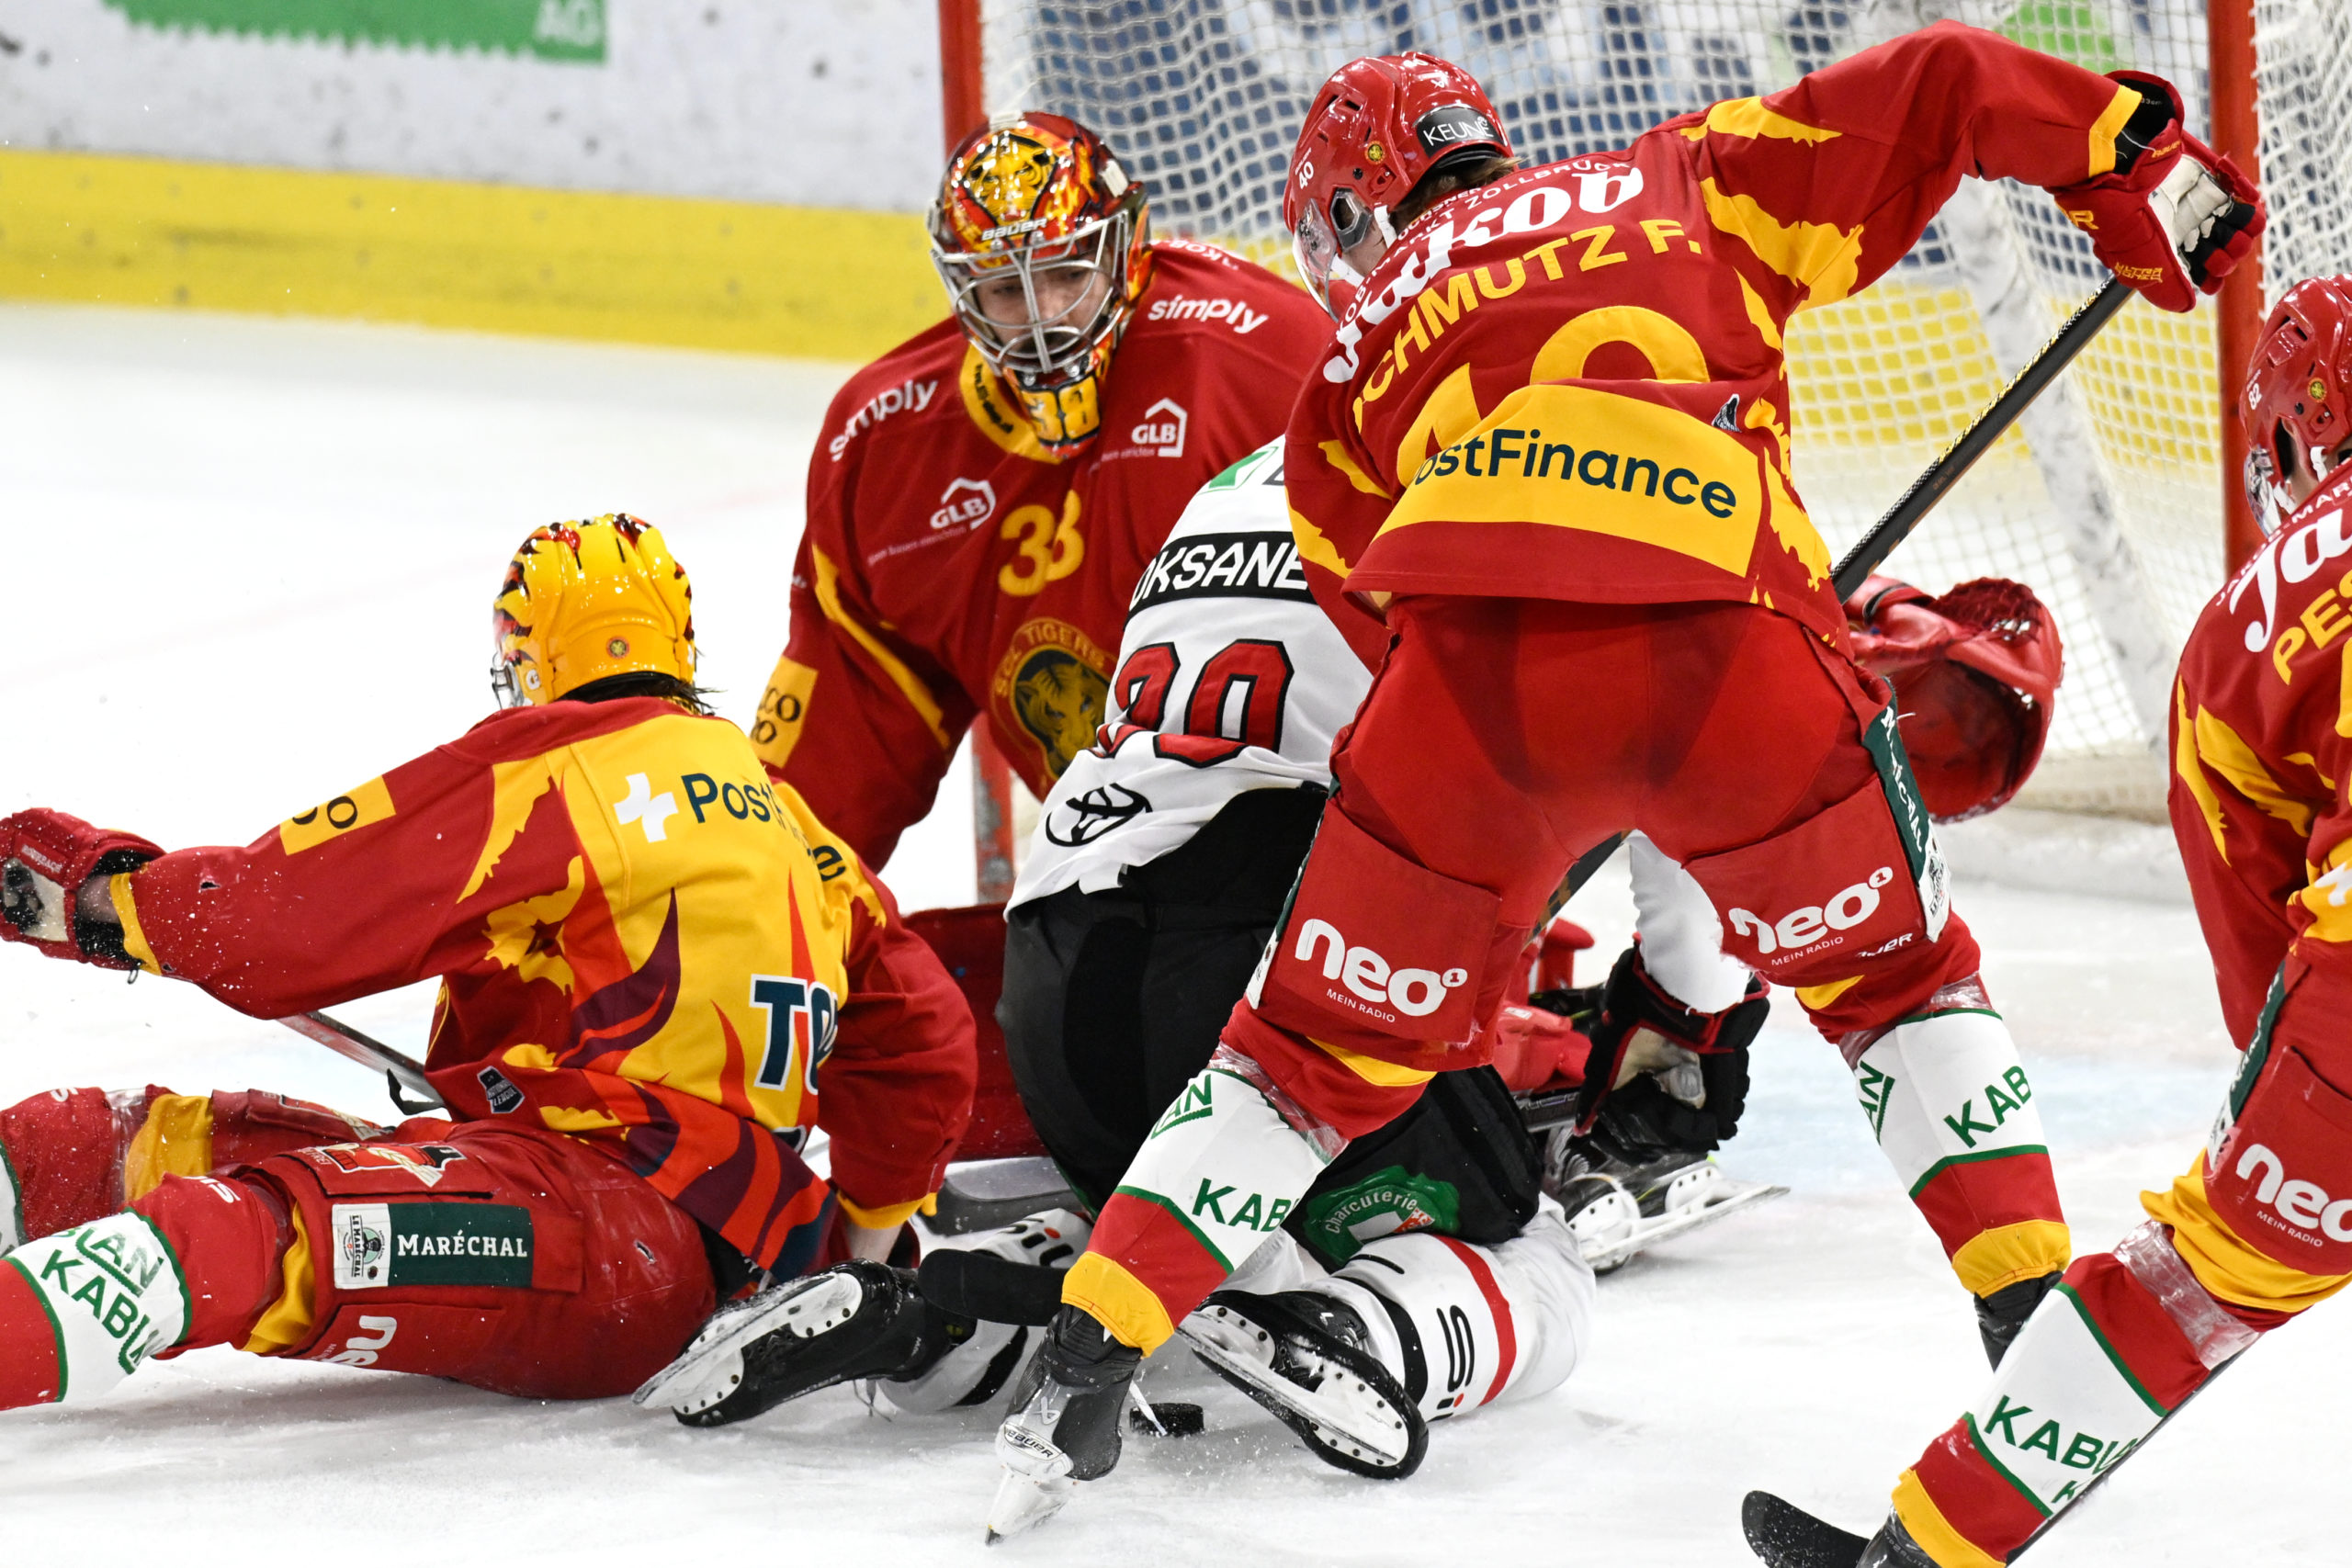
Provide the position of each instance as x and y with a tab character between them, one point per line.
2107	498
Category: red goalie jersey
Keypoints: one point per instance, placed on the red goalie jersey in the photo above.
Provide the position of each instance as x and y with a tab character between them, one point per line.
642	941
1571	383
953	566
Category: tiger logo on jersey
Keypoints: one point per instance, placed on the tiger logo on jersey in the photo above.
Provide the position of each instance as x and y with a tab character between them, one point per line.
1053	685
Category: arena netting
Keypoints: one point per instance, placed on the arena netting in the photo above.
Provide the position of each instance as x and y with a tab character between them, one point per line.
2107	498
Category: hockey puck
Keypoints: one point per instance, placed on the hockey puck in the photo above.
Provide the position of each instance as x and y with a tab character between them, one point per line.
1176	1420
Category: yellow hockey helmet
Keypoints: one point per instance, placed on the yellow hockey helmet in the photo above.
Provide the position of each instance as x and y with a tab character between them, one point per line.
583	601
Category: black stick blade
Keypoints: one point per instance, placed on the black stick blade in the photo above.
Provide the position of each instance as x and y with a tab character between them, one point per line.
1785	1536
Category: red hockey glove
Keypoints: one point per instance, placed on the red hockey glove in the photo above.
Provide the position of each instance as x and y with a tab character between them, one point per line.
2174	217
1536	1046
1976	674
45	856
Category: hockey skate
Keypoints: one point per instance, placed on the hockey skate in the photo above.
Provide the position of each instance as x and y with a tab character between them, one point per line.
855	1320
1065	1428
1305	1356
1785	1536
1618	1209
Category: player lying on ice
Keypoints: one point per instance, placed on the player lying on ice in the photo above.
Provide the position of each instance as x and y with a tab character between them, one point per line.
2259	1227
659	973
982	497
1543	479
1425	1273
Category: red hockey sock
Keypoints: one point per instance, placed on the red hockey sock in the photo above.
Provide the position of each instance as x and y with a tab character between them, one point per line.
28	1344
229	1237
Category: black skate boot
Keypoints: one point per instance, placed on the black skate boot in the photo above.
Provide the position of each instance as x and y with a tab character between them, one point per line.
1308	1358
854	1320
1609	1185
2001	1316
1064	1424
1785	1536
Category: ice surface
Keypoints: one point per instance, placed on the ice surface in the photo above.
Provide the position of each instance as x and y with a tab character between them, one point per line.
250	564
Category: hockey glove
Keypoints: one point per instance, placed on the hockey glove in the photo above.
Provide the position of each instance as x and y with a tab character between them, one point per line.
45	856
1683	1075
2174	217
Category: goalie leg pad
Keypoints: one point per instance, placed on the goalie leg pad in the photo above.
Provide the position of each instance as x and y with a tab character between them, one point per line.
71	1155
1955	1114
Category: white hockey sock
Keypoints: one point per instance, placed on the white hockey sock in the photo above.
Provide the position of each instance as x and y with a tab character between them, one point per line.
1683	937
114	1296
1464	1325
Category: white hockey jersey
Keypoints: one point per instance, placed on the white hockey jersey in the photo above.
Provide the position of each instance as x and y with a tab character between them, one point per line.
1230	678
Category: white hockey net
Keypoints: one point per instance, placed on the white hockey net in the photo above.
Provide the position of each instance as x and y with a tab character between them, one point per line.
2107	499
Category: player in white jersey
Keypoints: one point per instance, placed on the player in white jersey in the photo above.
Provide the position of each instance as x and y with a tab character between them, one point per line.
1426	1261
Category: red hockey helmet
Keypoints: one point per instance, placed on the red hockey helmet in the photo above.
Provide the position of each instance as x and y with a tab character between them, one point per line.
1976	674
1036	207
1375	129
2298	389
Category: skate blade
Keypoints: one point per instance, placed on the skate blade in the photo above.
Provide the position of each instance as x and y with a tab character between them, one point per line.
1722	1199
1344	1406
1035	1485
1024	1502
709	1370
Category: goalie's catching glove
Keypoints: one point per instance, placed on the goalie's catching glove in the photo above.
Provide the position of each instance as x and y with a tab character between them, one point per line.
2174	217
45	857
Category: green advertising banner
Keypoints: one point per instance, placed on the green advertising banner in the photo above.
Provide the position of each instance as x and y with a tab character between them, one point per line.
545	29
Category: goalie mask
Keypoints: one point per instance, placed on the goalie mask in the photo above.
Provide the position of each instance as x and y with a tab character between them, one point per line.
1976	674
1039	236
583	601
2298	392
1375	130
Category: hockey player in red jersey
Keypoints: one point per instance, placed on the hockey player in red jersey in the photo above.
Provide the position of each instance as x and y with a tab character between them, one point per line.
2259	1229
1543	476
659	973
983	496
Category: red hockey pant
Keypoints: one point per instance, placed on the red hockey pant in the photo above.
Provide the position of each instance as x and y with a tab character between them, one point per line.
1501	740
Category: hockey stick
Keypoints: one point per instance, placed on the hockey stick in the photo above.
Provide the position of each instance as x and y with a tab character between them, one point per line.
400	1071
1936	481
